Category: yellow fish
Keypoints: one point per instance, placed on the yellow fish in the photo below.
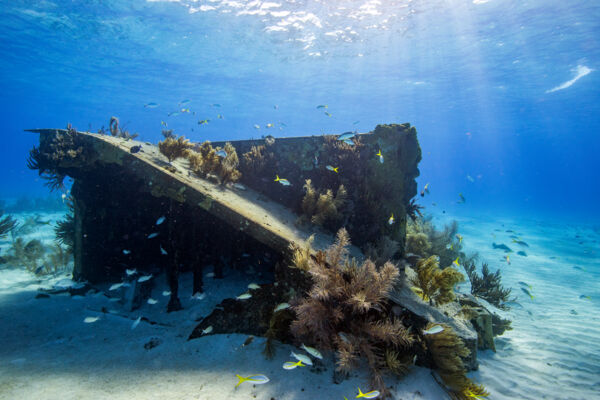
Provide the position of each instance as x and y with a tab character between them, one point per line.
507	259
328	114
369	395
185	110
332	168
283	181
255	379
292	365
270	125
459	237
391	220
380	156
455	262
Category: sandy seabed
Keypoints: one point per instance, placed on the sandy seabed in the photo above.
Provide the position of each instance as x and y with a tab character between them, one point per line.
48	352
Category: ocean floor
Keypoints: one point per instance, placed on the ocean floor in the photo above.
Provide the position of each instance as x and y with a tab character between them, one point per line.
48	351
553	351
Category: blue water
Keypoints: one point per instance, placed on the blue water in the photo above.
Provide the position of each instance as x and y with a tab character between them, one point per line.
447	67
505	96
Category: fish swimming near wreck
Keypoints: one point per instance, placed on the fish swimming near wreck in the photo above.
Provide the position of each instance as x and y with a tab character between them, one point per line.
312	351
255	379
527	292
302	357
433	330
369	395
289	365
282	181
501	246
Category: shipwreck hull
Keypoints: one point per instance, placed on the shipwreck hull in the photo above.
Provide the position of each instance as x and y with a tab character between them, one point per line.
119	195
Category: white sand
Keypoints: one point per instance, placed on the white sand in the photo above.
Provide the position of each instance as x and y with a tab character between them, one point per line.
48	352
550	353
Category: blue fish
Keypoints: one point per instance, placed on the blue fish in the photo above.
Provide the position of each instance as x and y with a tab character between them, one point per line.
346	136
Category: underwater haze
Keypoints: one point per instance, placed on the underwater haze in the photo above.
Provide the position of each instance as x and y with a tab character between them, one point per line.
107	291
504	92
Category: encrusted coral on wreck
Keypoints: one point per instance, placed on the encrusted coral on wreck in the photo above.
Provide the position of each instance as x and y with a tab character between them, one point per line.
117	131
255	162
323	208
174	148
345	311
433	284
64	149
447	351
424	240
488	285
206	161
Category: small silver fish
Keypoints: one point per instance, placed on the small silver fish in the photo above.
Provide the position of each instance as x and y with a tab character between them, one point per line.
348	141
136	323
115	286
166	293
150	105
312	351
256	126
244	296
152	301
144	278
281	306
160	220
302	357
199	296
163	251
91	320
221	153
210	275
433	330
130	272
114	299
239	186
126	252
153	235
207	330
253	286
